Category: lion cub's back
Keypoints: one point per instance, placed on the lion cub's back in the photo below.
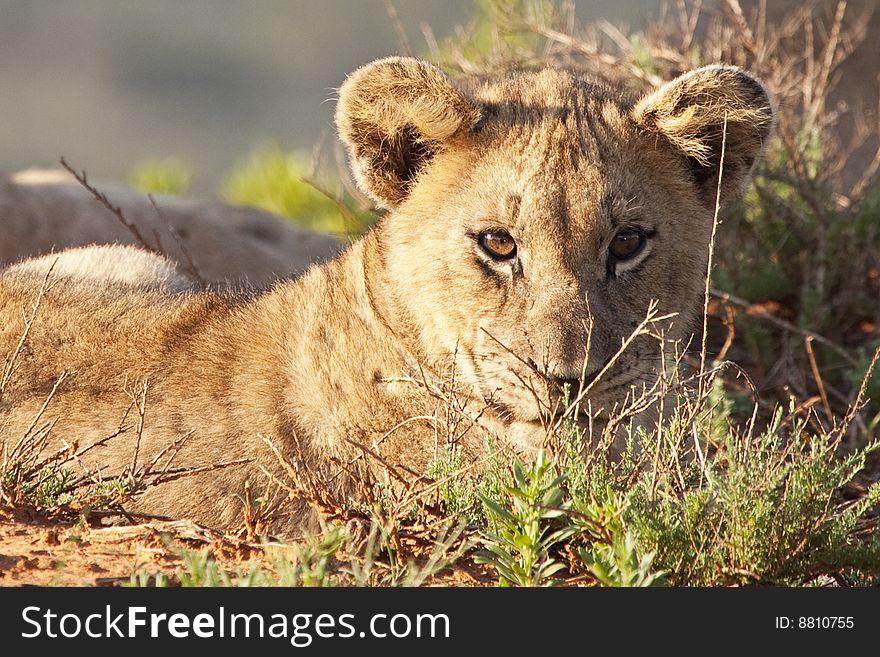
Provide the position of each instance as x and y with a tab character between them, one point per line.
96	329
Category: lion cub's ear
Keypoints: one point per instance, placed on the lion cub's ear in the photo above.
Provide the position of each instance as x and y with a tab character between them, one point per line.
393	115
690	112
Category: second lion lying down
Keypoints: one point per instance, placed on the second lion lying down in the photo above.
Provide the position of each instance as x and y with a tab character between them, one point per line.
529	217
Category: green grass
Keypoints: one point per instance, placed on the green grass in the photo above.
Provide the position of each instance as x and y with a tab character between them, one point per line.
284	184
170	175
768	509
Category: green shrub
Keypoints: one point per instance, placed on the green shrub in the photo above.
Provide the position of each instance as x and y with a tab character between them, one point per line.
279	182
167	175
521	532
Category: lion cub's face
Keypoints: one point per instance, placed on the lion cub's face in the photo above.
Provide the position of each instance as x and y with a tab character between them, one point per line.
534	219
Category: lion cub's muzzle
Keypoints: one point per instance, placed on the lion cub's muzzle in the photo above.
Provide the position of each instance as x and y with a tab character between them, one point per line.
564	391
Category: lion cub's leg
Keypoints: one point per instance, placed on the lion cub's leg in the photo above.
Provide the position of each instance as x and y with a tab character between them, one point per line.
110	263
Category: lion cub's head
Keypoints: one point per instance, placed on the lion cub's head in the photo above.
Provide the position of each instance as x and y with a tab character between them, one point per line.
535	217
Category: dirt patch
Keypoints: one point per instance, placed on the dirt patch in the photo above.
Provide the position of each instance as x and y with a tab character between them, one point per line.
44	553
39	551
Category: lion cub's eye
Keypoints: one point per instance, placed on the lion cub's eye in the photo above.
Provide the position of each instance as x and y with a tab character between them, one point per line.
498	244
627	244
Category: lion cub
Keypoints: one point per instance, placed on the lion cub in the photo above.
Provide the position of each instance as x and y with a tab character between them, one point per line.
528	217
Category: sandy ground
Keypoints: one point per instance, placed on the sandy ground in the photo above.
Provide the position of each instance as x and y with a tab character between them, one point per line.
36	551
44	553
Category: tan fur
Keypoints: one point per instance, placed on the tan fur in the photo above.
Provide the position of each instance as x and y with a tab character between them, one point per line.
44	211
363	348
110	263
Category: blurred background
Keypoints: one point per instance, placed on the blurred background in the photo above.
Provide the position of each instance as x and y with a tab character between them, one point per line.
111	84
